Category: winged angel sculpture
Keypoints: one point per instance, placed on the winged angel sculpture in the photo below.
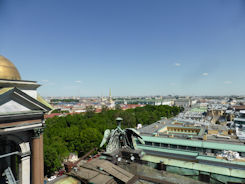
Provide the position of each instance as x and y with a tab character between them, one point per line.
118	138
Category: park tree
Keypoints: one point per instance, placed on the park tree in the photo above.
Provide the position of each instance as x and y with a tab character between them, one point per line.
80	133
90	111
89	138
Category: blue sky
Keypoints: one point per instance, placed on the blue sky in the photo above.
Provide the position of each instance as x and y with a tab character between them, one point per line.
134	47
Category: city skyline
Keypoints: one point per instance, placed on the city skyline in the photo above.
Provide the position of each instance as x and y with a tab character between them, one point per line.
136	48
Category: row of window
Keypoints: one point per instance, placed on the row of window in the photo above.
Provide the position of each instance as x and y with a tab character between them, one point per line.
187	148
183	130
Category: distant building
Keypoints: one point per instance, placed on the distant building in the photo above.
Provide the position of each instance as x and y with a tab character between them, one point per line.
240	120
131	106
182	102
210	153
239	108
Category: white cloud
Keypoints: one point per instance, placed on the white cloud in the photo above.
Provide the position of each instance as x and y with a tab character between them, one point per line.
205	74
172	84
177	64
78	81
227	82
44	80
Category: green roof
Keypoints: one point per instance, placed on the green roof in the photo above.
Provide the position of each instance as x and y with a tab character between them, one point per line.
200	109
167	150
209	158
44	102
4	90
194	143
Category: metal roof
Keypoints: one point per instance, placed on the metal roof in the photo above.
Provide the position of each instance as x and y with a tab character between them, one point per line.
168	150
195	143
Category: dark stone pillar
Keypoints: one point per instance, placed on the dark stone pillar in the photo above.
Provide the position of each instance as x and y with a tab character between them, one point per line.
37	157
41	158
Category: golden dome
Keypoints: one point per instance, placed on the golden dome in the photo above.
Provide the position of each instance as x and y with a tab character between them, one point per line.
8	70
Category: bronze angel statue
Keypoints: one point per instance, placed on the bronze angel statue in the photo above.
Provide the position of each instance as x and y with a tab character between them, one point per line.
118	138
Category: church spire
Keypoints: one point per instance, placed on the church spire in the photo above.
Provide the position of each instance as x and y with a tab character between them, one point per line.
110	98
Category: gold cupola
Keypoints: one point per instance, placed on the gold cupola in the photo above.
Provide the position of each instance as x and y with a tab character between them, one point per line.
7	70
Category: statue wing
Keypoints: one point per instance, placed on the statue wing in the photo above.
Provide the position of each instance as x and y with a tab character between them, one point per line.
106	137
132	132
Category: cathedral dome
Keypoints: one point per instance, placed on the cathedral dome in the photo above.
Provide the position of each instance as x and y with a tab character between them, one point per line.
7	70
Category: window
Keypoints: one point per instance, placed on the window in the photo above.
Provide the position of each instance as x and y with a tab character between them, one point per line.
199	150
191	148
148	143
173	146
164	145
208	150
242	154
182	147
156	144
215	151
204	150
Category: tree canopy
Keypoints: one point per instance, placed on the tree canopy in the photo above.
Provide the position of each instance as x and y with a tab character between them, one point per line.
79	133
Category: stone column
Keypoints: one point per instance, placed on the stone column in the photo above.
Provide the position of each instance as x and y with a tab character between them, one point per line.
41	159
25	164
37	157
25	177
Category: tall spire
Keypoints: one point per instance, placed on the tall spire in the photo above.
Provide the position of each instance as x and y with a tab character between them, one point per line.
110	98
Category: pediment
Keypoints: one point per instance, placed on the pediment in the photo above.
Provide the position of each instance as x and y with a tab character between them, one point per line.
14	100
12	106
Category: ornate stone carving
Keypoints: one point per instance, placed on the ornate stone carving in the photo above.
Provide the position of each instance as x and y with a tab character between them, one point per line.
38	132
